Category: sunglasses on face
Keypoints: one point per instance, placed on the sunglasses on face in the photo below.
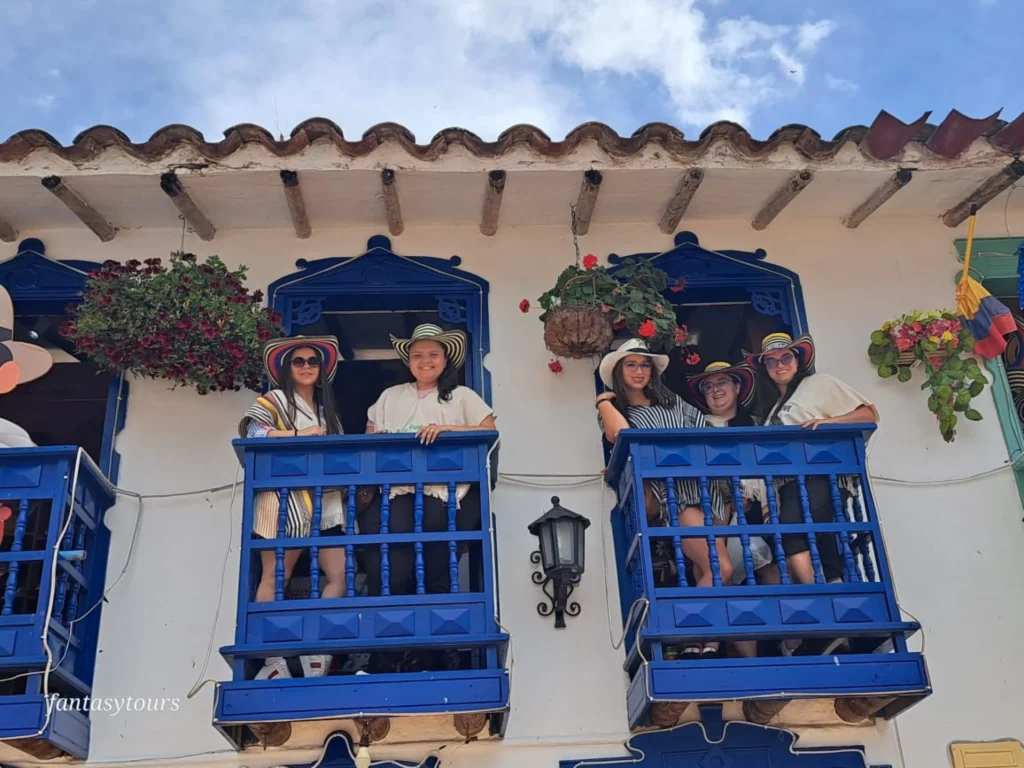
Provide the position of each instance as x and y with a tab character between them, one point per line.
631	367
302	362
784	360
713	386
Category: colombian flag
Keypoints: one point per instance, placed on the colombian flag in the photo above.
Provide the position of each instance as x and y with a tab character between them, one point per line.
987	318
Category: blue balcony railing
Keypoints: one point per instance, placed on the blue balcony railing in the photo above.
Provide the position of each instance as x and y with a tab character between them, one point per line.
57	504
875	674
431	647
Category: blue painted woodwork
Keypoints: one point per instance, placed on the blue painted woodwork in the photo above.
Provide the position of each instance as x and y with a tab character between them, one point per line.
862	607
356	623
381	279
38	483
713	743
339	751
718	275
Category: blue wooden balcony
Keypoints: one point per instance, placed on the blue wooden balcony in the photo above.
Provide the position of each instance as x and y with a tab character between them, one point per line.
405	652
57	507
874	674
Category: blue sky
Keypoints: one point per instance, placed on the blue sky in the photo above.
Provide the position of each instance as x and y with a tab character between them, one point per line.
488	64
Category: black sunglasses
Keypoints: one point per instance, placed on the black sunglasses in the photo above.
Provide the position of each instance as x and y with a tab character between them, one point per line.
300	362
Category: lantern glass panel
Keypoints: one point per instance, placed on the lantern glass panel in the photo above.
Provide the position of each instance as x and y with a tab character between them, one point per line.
547	547
565	535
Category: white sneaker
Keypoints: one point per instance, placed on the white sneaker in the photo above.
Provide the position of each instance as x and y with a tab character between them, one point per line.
274	668
315	666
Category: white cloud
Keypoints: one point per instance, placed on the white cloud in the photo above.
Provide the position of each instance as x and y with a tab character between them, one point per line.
839	84
479	64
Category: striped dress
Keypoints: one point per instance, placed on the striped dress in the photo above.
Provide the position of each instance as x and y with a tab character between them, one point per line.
680	415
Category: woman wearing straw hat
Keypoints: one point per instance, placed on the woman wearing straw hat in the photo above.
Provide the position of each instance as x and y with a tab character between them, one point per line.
431	404
301	405
794	394
639	400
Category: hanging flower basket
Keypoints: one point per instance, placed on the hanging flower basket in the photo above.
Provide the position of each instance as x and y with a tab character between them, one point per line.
940	342
577	332
587	305
193	324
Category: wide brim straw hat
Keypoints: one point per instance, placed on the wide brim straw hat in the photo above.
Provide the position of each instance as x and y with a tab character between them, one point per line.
20	362
629	347
802	346
453	342
742	373
276	350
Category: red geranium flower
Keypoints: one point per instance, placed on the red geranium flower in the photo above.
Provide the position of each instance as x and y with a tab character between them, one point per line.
680	335
589	261
679	286
647	329
524	305
555	366
692	359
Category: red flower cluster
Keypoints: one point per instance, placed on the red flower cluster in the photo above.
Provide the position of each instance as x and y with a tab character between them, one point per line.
940	331
524	305
193	324
693	358
555	366
589	261
647	329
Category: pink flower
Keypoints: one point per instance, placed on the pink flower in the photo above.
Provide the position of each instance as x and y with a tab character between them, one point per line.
692	359
605	309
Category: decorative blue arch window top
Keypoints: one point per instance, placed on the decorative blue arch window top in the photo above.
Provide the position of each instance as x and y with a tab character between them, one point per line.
381	279
772	290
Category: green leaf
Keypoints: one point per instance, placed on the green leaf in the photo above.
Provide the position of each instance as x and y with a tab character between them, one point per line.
904	374
890	357
944	392
877	337
976	388
973	415
933	404
885	371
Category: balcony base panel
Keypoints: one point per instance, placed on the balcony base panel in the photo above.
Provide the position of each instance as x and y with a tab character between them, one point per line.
23	720
868	685
420	705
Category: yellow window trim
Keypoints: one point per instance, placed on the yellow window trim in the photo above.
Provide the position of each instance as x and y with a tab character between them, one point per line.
1008	753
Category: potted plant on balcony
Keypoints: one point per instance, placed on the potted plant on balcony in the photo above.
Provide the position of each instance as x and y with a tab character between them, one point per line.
587	305
192	323
938	341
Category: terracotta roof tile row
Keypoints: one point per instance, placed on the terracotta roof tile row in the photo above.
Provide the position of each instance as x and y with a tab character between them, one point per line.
884	139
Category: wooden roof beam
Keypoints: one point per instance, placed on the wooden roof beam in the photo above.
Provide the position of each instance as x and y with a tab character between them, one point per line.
587	200
296	204
8	234
878	198
492	202
392	207
680	201
75	203
173	188
782	197
989	189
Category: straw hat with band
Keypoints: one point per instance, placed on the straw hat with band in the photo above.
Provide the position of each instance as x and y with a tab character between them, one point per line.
802	347
275	351
20	362
741	373
629	347
453	342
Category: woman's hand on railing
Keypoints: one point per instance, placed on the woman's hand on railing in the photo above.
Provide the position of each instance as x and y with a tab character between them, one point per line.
429	433
314	431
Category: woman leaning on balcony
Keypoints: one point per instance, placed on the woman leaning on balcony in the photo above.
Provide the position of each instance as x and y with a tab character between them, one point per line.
434	402
792	393
639	400
301	405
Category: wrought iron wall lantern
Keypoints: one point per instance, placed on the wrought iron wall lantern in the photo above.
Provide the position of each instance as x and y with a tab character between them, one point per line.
561	556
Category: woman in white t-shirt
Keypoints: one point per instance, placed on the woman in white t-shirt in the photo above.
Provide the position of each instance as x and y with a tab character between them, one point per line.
432	403
793	394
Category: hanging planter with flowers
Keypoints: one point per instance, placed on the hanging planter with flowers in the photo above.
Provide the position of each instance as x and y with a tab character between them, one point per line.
938	341
194	324
587	305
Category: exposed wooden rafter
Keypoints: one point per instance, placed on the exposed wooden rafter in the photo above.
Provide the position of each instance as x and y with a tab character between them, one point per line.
680	201
8	234
173	188
988	190
587	200
782	197
296	204
392	208
75	203
493	193
878	198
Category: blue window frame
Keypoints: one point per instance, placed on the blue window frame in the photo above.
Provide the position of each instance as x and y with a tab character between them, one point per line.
380	279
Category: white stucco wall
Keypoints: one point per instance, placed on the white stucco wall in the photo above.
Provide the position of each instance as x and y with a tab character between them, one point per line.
953	547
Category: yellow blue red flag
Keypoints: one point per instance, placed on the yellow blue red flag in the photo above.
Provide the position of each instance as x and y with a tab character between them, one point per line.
985	316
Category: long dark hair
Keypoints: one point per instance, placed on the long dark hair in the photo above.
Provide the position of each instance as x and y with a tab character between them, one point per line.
768	393
655	391
323	396
743	418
